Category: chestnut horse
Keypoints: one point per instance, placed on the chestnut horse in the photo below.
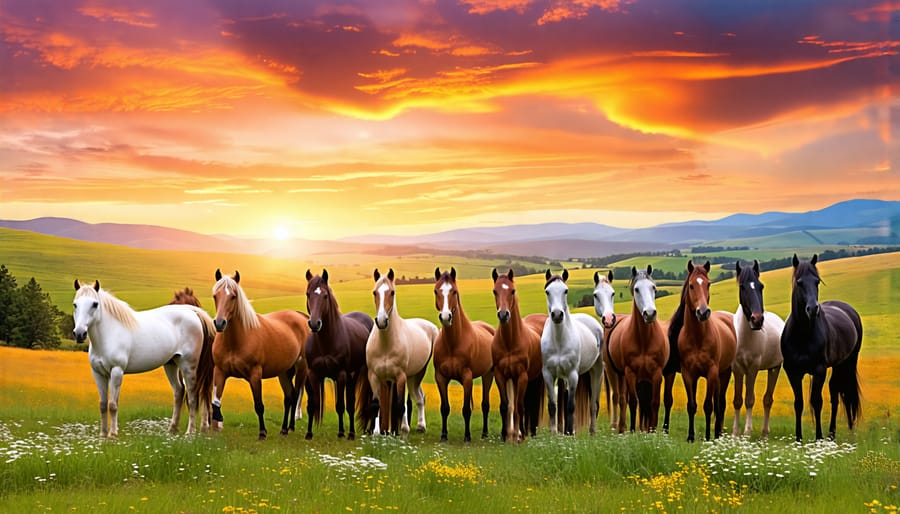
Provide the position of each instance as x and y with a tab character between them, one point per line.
516	353
758	347
462	352
636	352
706	347
335	349
397	354
255	347
818	336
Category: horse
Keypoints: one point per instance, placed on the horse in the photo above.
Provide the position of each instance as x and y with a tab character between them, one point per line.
818	336
516	355
758	347
335	349
462	352
604	303
126	341
706	343
254	347
571	345
637	351
187	297
398	352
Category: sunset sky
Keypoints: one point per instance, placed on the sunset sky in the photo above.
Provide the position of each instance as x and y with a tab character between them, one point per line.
325	119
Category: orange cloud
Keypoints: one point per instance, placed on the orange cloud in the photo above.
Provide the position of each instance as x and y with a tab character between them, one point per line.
138	18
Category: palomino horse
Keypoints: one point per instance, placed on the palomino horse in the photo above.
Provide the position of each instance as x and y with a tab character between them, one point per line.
397	354
335	349
462	352
706	346
125	341
604	307
516	353
818	336
637	351
254	347
571	345
758	347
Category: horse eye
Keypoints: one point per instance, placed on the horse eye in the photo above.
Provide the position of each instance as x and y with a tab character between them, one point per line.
495	292
513	291
75	305
374	293
393	293
597	295
95	305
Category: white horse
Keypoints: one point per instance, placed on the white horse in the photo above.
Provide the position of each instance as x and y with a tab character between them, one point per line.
177	337
397	352
758	347
604	304
570	347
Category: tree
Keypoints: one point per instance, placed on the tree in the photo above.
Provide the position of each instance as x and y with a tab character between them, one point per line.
8	302
36	320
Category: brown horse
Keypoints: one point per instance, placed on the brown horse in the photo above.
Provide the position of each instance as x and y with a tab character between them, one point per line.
335	349
637	351
205	372
185	297
254	347
706	347
462	352
516	352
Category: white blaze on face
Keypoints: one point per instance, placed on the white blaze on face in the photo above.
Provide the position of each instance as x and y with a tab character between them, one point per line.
381	309
318	290
504	286
227	290
753	285
445	309
700	281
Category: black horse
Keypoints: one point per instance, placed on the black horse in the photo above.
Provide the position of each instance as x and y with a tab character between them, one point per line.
818	336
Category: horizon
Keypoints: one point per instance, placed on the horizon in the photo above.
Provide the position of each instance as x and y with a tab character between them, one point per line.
318	121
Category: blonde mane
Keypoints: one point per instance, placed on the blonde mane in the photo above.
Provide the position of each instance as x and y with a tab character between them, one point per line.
116	308
244	311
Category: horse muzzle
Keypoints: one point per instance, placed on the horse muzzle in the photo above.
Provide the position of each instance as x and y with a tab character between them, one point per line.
80	335
220	324
503	316
608	320
703	314
382	322
648	316
446	319
812	311
556	316
315	325
756	321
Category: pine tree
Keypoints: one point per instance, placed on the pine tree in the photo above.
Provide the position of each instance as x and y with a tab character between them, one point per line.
7	301
36	320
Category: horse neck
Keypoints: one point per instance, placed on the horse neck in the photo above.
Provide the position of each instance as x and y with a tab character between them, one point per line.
236	332
560	329
693	328
512	329
637	322
332	321
455	330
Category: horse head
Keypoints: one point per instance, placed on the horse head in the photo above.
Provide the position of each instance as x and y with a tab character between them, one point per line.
604	298
697	290
319	299
185	297
557	293
806	280
504	295
643	290
384	293
225	297
87	309
750	294
446	295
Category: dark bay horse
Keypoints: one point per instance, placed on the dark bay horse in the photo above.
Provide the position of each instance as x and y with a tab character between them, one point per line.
462	352
253	347
637	351
516	353
706	348
335	349
818	336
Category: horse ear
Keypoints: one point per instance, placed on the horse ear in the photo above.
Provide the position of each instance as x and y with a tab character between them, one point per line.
610	276
565	275
649	271
494	274
97	285
437	273
596	277
547	275
325	275
391	274
376	275
633	272
795	261
756	267
815	259
706	266
309	275
77	285
218	274
737	267
237	276
510	274
690	266
452	272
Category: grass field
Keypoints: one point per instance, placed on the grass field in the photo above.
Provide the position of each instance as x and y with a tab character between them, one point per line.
54	461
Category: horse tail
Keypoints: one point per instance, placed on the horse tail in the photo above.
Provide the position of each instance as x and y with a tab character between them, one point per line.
583	400
316	397
206	366
846	376
365	417
534	404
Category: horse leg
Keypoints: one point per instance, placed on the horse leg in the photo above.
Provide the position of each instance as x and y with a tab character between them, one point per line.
721	398
815	400
834	391
612	390
668	399
738	401
178	393
218	388
340	384
350	390
596	378
255	381
414	388
631	396
622	396
505	391
401	389
571	387
301	371
751	400
710	404
691	393
442	382
382	409
655	384
314	399
486	381
551	399
520	392
103	390
192	393
467	403
115	387
287	387
771	381
796	380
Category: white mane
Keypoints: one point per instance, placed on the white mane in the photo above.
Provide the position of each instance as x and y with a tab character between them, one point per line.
116	308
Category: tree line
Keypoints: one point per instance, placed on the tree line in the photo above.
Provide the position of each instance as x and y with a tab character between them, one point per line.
28	318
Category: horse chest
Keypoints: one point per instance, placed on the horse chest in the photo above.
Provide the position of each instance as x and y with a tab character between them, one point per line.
561	362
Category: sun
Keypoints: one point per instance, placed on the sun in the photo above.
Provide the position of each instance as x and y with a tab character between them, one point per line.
281	233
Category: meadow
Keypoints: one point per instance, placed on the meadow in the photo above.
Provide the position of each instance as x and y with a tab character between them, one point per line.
54	461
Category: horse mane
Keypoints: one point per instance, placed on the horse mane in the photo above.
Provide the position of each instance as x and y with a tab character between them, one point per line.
332	301
116	308
677	321
552	279
244	310
807	267
747	273
640	275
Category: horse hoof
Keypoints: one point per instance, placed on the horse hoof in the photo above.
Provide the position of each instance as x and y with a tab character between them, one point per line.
420	430
284	432
308	436
340	435
351	436
262	436
444	438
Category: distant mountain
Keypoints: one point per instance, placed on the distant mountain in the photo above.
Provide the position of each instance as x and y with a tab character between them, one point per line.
551	240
